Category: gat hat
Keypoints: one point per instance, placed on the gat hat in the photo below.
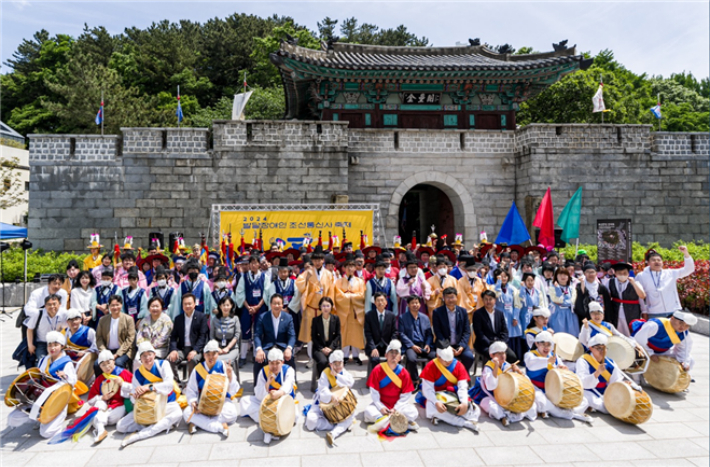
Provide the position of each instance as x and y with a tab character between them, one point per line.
95	242
496	347
595	307
104	356
211	346
394	345
144	347
621	266
541	311
275	354
544	336
73	313
588	265
336	356
56	337
688	318
598	339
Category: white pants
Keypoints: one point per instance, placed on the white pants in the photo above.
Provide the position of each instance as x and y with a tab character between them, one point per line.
172	417
315	420
350	349
494	410
543	404
455	420
106	416
228	415
245	349
372	413
595	401
251	407
674	354
46	430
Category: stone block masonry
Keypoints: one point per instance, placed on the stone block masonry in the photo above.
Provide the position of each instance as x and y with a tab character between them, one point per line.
167	179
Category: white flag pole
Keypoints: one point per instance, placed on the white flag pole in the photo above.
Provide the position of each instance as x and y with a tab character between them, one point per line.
601	83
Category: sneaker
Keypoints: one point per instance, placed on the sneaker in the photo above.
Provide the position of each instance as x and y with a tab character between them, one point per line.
191	428
588	420
505	421
543	415
242	362
413	426
130	439
358	361
329	438
434	421
100	437
225	430
473	426
267	438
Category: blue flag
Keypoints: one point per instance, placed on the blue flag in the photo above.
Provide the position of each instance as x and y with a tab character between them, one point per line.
656	110
513	230
179	111
100	115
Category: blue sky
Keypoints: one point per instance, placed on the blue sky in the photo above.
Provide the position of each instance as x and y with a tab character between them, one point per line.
652	37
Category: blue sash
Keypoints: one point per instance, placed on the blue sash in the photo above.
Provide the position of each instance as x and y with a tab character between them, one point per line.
58	365
81	337
386	380
442	379
284	369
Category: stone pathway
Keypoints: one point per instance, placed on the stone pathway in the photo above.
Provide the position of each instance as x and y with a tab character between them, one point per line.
677	435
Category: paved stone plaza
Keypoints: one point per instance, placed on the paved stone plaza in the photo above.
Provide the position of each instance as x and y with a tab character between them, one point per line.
677	435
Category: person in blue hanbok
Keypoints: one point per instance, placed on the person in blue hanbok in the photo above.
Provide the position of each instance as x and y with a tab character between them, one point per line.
508	302
530	298
562	296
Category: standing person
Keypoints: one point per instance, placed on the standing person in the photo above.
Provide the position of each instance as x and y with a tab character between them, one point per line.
416	336
590	290
111	407
120	276
161	289
82	293
412	283
135	299
530	298
470	290
221	289
380	329
325	334
562	298
72	271
508	302
155	328
274	329
314	283
189	335
196	285
225	329
450	321
661	285
102	293
333	377
438	283
250	297
116	332
489	326
152	376
105	265
625	300
382	284
350	308
38	296
285	286
49	318
93	259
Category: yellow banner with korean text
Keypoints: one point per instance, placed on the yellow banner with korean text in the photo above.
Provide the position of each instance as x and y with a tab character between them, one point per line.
292	227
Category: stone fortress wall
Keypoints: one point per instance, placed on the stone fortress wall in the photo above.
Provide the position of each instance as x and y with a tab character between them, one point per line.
167	179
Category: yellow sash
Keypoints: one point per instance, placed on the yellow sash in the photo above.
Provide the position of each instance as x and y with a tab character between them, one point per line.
492	366
601	329
390	372
331	377
595	364
274	383
444	371
670	331
202	370
155	379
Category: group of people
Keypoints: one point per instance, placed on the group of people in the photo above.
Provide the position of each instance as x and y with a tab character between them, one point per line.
441	309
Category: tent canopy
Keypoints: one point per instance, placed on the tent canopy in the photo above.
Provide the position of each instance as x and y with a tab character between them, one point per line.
8	231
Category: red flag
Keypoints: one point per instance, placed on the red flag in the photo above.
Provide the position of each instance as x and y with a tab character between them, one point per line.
320	239
544	220
414	240
362	241
330	241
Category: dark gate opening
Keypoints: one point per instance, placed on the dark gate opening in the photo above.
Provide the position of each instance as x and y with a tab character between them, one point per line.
423	206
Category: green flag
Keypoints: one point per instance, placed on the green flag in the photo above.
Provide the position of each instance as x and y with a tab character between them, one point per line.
569	218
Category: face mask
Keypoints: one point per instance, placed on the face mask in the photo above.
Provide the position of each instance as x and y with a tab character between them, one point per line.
162	282
221	285
192	276
472	274
105	283
443	271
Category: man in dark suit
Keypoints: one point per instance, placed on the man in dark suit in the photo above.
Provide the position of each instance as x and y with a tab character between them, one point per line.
274	329
189	336
325	340
489	326
416	336
450	321
380	329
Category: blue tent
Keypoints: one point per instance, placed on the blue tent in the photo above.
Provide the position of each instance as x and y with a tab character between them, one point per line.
8	231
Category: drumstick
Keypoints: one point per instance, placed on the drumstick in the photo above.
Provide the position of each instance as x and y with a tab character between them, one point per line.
511	366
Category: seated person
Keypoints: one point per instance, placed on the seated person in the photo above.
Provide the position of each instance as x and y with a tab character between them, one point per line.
538	323
226	329
275	380
219	423
47	319
335	376
445	374
391	390
597	371
189	335
538	363
116	332
111	406
415	333
450	321
155	328
598	326
489	326
380	329
57	364
325	334
482	392
274	329
667	336
152	376
81	339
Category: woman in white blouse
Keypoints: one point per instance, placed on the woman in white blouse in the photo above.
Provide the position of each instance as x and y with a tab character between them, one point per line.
81	293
